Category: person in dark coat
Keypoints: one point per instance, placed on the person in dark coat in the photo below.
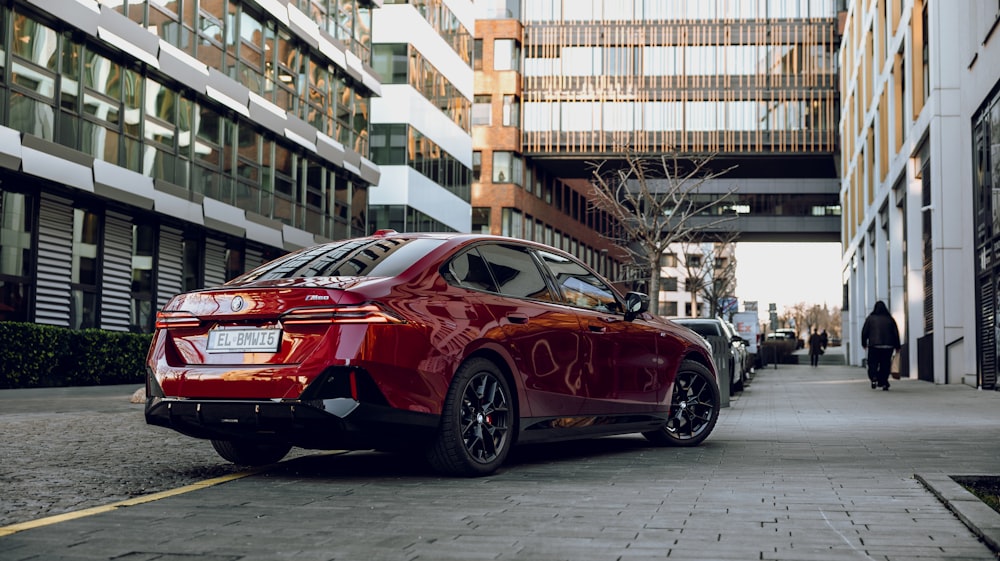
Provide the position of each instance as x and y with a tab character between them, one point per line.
880	337
815	347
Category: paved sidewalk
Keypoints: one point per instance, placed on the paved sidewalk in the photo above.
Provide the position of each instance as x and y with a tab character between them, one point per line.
807	464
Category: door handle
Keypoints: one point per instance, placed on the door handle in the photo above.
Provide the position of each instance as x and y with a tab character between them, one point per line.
519	319
597	328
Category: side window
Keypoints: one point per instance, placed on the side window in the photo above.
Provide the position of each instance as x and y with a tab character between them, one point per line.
469	270
515	272
579	286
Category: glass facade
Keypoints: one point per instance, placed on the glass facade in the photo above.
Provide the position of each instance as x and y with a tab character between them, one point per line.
441	79
445	23
986	197
401	144
399	63
81	258
673	10
74	93
729	76
403	218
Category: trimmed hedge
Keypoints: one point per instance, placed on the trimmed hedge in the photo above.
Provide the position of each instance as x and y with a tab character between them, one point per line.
34	356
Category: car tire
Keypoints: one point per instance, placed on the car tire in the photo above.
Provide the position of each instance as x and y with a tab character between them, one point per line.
247	453
694	408
475	435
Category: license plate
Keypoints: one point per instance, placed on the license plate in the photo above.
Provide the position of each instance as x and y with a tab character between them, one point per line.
244	340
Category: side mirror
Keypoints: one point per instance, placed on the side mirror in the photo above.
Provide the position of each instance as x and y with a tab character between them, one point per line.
635	304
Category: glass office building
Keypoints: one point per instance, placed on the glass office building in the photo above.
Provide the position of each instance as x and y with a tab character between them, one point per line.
421	133
152	147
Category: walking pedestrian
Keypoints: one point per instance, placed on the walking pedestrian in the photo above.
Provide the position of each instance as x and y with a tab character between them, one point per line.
815	347
880	337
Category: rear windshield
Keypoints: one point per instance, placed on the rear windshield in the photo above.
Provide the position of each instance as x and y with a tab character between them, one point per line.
349	258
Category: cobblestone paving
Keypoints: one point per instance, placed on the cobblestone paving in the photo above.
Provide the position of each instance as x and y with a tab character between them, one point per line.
807	464
53	462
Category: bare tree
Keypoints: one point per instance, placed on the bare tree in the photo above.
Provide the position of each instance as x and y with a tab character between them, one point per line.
712	276
809	316
655	202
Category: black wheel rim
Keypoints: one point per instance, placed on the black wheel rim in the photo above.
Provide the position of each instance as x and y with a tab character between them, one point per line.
693	406
485	417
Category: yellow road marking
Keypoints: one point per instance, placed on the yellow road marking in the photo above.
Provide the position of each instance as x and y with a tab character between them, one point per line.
49	520
31	524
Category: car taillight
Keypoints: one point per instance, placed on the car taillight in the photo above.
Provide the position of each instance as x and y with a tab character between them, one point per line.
364	313
166	320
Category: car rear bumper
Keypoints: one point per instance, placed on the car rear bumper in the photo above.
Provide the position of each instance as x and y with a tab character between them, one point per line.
339	423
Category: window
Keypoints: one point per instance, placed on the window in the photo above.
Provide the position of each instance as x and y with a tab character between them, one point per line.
192	274
512	223
234	259
482	110
515	272
502	164
511	111
925	52
477	165
17	222
668	284
506	54
477	54
144	236
389	61
693	260
579	286
33	78
85	269
379	258
469	270
388	144
481	220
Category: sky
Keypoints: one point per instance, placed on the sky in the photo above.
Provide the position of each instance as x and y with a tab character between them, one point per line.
788	273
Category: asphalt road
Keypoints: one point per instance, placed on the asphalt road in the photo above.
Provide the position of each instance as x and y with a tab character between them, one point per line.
806	464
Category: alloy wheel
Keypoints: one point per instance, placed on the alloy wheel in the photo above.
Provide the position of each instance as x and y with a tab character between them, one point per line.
485	417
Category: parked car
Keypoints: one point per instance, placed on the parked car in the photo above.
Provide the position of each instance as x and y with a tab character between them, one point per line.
779	348
451	345
791	335
728	348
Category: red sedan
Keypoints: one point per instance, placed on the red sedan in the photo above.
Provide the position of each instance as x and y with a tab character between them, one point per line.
457	346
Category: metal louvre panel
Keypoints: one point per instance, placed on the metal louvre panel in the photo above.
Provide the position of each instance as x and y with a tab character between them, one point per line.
215	262
170	269
987	333
116	288
55	261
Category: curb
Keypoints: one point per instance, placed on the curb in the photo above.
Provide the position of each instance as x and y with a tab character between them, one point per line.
974	513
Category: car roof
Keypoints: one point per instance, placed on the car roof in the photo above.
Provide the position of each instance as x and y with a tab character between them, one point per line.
460	238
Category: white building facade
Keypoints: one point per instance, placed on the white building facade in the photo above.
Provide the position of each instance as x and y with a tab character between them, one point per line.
688	265
919	94
421	125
